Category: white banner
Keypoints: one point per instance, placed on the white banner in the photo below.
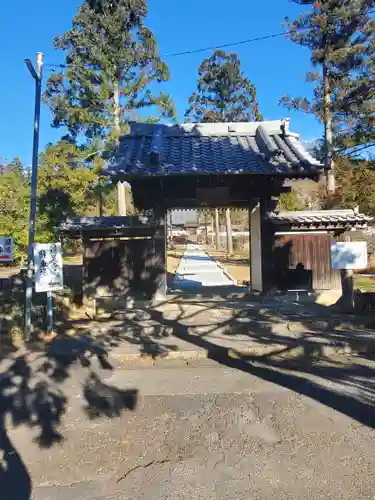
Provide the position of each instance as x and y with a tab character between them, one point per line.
6	249
48	267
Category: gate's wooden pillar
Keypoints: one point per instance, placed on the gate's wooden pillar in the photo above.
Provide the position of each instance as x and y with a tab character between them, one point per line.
161	256
261	247
255	250
269	279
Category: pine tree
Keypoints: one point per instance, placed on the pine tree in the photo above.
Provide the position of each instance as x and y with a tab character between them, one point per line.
340	35
113	61
224	93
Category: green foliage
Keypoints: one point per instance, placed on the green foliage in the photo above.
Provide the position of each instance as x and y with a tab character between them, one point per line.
290	201
224	94
355	185
114	62
66	187
113	65
110	199
341	32
14	210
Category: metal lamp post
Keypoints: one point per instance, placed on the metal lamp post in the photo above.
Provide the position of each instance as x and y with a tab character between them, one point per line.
37	75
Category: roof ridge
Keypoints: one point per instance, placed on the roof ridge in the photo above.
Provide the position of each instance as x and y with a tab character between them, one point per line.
273	127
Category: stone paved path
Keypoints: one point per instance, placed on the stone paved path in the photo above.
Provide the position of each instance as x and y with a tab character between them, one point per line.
197	269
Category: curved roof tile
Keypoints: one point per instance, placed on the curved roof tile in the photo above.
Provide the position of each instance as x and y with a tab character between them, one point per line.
212	148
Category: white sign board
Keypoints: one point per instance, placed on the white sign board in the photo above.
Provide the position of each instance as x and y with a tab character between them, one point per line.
6	249
48	267
349	255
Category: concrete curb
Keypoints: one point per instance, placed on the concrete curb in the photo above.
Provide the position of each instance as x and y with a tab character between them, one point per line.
172	355
309	350
220	266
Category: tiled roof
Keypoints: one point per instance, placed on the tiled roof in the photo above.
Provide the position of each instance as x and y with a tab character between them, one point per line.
78	224
321	218
212	148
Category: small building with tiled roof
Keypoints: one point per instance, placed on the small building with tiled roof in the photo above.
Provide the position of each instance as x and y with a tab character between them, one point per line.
302	241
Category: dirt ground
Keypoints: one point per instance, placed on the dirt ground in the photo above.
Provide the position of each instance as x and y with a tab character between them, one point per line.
173	259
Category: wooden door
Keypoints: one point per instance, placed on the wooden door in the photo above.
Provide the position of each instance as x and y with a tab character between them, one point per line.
303	262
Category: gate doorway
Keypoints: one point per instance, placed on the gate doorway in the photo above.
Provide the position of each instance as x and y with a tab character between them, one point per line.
208	248
204	166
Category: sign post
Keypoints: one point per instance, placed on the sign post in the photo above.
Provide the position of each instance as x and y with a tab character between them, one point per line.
49	313
347	256
6	249
48	273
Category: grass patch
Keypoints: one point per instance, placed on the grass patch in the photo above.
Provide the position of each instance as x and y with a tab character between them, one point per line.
364	283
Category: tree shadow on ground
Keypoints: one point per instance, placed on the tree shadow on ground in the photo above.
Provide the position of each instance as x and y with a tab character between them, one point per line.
32	384
33	394
296	362
346	386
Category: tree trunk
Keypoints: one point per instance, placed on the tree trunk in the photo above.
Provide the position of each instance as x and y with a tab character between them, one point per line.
100	197
121	198
116	107
205	227
217	229
328	136
228	224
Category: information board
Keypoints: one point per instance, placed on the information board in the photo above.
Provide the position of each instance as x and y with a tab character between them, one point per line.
349	255
48	267
6	249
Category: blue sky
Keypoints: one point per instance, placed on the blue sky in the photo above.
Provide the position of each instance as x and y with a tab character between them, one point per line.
276	66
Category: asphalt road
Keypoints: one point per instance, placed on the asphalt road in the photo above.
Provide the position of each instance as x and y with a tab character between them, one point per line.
199	431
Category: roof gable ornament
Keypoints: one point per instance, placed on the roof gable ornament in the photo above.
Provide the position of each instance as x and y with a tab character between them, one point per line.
285	123
267	146
155	152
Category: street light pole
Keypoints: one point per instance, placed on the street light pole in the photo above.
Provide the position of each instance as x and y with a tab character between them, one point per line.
37	74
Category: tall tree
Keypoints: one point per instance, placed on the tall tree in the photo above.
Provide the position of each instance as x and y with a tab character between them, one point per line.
112	66
224	93
14	212
356	185
340	35
66	187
